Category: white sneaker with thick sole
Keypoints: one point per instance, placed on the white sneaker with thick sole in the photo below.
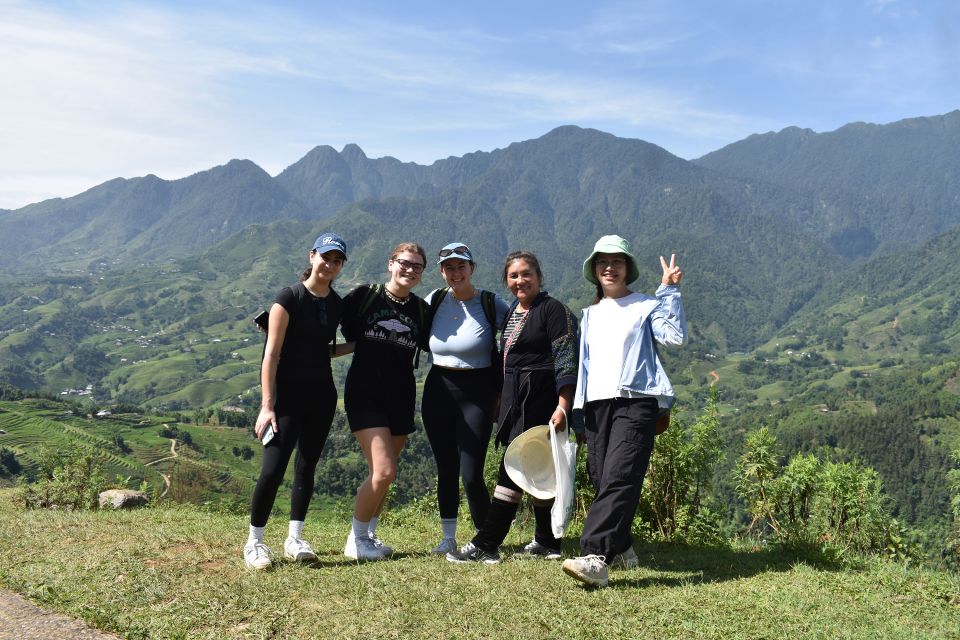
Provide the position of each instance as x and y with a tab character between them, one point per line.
362	549
381	546
591	570
447	545
257	555
625	560
298	549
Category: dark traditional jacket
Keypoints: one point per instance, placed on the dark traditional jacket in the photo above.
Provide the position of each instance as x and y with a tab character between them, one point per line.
538	362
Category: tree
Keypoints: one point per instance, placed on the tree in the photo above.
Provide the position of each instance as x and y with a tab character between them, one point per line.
755	474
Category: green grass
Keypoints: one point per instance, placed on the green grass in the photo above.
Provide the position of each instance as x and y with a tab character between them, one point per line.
176	571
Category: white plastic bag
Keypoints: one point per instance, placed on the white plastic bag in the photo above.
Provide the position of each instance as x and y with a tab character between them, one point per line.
565	463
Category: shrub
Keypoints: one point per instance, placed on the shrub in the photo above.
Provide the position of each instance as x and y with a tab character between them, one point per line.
673	502
840	505
755	478
66	481
851	508
951	551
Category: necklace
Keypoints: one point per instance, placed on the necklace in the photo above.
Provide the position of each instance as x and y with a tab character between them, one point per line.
395	298
462	308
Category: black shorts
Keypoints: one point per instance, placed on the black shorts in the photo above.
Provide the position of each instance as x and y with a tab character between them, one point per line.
372	404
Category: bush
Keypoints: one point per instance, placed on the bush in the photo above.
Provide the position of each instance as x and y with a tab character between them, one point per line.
66	481
755	474
951	551
9	465
839	505
673	502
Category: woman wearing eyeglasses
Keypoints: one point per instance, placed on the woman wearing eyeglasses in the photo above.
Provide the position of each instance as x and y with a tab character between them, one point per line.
461	389
621	388
387	324
539	346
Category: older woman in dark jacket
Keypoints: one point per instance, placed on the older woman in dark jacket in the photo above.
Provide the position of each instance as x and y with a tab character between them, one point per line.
539	346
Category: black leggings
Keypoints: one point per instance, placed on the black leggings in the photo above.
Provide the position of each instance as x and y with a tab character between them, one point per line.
306	428
457	412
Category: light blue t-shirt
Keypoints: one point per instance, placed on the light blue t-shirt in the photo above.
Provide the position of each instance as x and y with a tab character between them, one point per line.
460	337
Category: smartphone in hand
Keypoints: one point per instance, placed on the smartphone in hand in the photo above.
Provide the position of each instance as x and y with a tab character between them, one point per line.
262	320
267	435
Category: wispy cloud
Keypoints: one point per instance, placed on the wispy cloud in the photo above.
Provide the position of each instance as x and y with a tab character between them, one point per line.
93	91
136	89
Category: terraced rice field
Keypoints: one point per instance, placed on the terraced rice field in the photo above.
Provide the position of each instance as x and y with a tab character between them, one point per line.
31	426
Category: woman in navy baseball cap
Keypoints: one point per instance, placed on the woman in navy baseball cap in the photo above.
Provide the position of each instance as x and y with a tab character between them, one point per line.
298	395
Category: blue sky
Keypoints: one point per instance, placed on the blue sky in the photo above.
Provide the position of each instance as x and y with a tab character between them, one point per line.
96	90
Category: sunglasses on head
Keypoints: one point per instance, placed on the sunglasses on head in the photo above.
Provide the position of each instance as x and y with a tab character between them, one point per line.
462	250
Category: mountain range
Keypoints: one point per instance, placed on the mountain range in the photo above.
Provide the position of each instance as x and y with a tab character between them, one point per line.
821	272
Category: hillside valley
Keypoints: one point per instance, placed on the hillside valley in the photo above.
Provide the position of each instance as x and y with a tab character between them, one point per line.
821	286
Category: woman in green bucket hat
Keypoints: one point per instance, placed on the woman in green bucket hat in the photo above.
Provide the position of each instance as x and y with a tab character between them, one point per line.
621	389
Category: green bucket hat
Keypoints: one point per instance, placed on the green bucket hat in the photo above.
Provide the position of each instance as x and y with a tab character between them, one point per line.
611	244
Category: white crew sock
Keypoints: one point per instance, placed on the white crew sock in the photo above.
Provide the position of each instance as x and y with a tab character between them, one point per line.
449	526
256	534
372	529
296	529
360	529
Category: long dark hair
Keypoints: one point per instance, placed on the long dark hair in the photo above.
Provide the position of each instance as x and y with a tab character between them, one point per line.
599	295
306	272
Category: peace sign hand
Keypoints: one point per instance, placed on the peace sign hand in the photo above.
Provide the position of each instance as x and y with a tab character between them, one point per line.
671	272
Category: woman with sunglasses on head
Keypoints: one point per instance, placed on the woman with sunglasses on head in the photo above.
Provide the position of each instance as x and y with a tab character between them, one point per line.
621	388
539	347
298	396
387	324
461	390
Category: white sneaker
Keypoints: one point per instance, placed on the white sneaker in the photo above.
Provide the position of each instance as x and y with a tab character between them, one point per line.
591	570
626	559
298	549
362	549
381	546
447	545
257	555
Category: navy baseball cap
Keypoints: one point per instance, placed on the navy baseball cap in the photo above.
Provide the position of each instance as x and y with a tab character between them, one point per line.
330	242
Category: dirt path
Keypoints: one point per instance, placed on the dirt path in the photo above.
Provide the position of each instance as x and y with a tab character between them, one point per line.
20	619
715	376
166	477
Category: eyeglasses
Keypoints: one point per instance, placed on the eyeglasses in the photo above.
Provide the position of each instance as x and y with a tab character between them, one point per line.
462	250
416	267
616	263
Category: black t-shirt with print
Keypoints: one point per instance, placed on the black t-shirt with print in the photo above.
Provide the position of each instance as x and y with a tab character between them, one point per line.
387	334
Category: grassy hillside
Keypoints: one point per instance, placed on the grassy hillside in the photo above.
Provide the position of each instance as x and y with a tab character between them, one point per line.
201	465
208	463
176	572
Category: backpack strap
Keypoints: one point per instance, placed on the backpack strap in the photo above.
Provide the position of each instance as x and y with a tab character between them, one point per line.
489	303
436	297
426	318
299	293
372	292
